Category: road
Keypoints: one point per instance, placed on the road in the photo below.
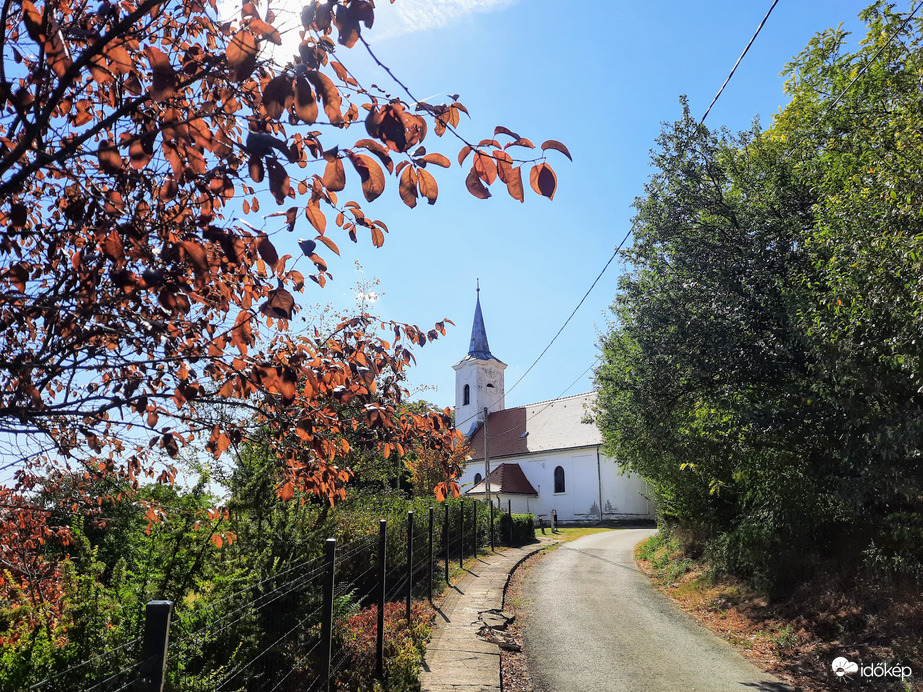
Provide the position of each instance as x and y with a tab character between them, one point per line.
595	624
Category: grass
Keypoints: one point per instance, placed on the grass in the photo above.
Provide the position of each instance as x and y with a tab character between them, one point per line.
571	533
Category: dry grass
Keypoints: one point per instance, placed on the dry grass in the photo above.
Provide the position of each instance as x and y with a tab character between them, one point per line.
797	636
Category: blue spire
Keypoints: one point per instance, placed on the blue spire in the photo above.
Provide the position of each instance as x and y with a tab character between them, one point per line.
479	347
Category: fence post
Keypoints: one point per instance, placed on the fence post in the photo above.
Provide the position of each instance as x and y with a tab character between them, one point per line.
382	571
461	533
445	538
492	524
326	625
509	509
431	511
154	649
409	562
475	529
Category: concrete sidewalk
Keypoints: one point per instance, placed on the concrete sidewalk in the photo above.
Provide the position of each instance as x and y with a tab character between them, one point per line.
456	658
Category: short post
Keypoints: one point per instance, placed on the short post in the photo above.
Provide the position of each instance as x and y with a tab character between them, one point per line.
509	510
326	625
461	533
554	521
409	562
445	539
475	553
430	590
380	635
154	649
492	525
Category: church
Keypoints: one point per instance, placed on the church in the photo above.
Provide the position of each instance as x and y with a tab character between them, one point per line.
544	458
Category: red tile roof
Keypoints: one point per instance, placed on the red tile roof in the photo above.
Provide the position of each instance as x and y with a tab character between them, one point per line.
507	479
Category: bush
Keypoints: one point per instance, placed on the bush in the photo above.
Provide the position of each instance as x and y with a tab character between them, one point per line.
403	648
523	528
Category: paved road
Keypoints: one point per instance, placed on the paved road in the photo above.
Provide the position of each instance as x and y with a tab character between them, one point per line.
597	625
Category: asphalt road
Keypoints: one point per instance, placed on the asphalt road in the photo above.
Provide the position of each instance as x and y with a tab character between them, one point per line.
597	625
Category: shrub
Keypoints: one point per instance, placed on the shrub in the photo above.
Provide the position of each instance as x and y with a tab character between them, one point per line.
523	528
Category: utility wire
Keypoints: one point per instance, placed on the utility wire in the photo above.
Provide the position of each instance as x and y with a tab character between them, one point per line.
734	69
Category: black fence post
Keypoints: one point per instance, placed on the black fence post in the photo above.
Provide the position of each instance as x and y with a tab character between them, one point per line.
382	571
326	625
445	539
409	562
461	533
475	528
431	512
154	649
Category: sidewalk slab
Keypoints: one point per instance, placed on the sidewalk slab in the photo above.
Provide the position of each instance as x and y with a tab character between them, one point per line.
456	658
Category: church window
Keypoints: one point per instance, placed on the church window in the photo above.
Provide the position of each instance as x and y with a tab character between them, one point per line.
478	478
558	479
466	395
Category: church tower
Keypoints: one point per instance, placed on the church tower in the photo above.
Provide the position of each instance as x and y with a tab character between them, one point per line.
478	378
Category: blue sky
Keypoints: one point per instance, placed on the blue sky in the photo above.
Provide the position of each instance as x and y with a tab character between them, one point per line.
599	76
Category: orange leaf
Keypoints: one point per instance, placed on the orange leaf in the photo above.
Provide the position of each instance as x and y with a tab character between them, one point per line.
557	146
378	238
428	186
280	304
287	492
267	31
216	539
543	180
373	179
475	186
316	216
408	186
241	54
305	103
335	175
279	183
164	76
329	243
438	160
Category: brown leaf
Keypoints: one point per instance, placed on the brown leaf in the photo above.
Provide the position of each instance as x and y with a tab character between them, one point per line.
557	146
316	216
382	152
543	180
428	186
335	175
267	251
279	304
264	30
164	76
109	160
463	154
514	184
305	103
378	238
279	184
256	169
408	187
486	167
373	179
475	186
278	96
287	492
437	160
347	25
329	243
328	93
499	129
241	54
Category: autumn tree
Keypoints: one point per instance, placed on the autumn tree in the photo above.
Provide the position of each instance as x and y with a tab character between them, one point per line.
132	137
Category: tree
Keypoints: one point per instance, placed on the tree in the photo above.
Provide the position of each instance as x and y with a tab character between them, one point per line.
762	371
134	299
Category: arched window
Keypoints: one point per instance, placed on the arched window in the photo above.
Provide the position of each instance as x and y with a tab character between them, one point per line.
466	395
478	478
558	479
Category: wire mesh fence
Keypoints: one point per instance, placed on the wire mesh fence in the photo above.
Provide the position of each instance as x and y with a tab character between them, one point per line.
284	631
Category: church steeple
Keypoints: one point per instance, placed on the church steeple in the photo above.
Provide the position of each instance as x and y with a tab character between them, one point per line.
478	378
479	348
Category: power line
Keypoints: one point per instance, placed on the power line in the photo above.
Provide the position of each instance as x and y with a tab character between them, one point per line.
734	69
566	322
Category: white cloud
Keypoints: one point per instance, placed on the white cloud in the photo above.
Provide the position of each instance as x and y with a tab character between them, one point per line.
408	16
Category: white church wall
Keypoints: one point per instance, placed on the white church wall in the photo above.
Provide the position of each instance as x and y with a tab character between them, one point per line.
624	496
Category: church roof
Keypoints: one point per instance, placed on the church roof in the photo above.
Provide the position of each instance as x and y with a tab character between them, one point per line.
507	479
479	348
541	427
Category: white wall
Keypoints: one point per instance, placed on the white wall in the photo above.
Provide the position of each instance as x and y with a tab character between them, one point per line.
623	496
